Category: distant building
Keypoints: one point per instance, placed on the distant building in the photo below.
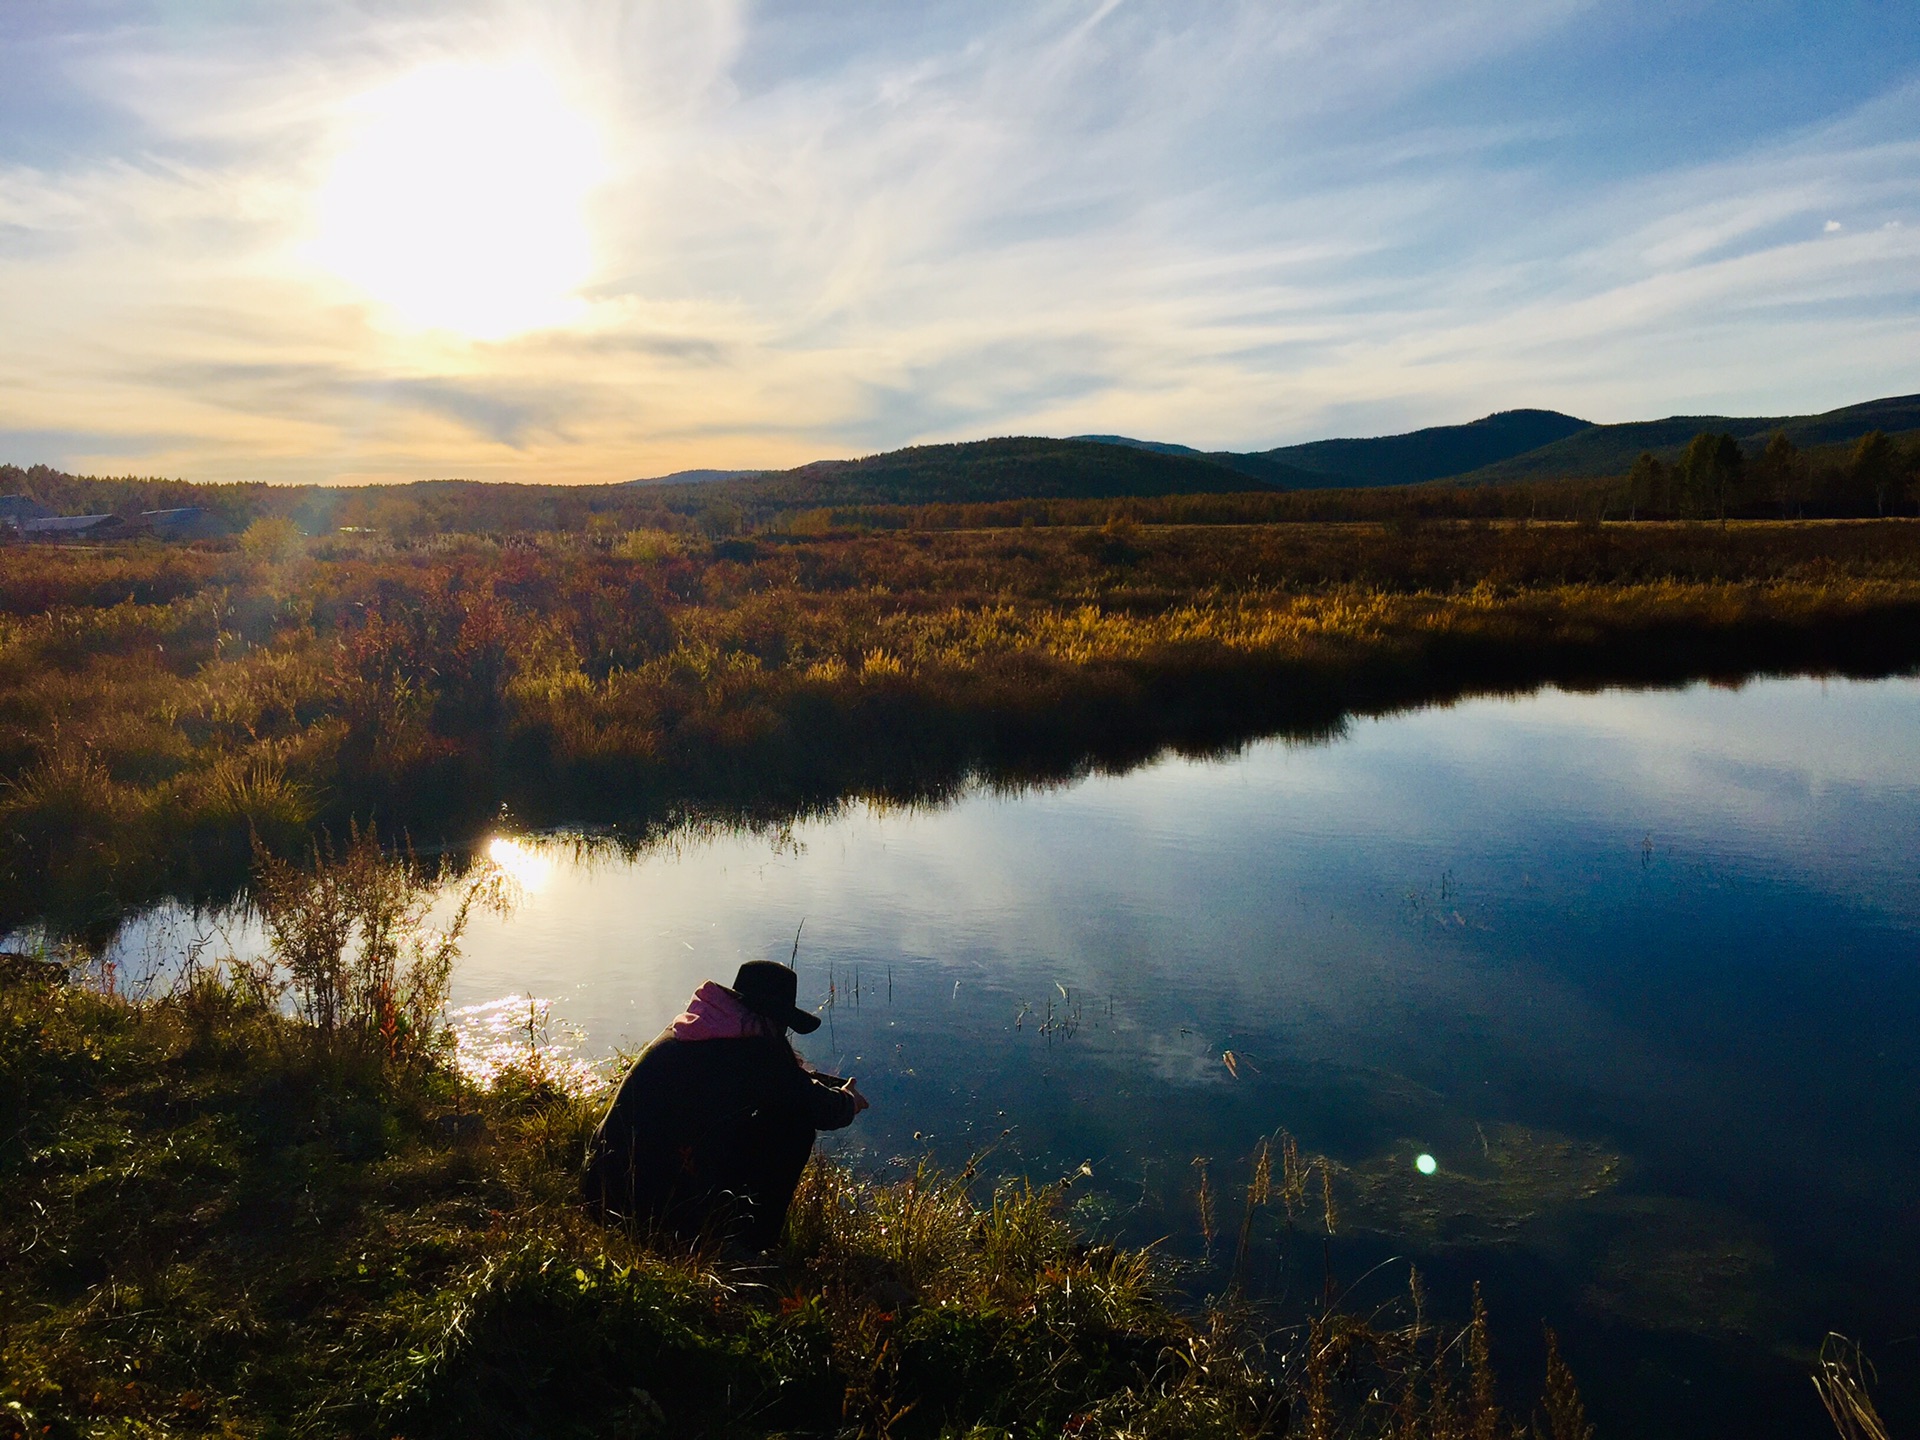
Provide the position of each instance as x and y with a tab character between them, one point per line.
30	520
79	527
15	510
188	522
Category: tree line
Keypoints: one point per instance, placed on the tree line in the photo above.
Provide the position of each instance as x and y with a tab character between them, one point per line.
1715	479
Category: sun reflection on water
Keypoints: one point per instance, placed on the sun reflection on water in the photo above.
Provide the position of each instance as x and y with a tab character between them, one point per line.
525	864
519	1032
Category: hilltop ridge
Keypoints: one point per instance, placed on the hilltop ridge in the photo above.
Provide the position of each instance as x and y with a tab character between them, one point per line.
1016	467
1512	446
1413	458
1600	451
1504	449
1433	453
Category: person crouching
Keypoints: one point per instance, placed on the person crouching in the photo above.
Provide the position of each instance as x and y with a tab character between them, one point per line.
709	1131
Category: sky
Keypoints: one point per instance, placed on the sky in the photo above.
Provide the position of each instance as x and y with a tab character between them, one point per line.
590	240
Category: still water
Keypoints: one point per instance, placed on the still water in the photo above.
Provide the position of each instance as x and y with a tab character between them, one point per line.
1639	970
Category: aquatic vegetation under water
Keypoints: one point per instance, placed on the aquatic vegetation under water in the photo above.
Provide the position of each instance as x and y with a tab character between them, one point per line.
1683	1266
1520	1175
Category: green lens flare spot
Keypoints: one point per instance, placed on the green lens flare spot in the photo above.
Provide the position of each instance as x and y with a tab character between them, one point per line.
1425	1164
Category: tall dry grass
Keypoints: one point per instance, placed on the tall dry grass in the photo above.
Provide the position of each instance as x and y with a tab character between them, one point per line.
1843	1379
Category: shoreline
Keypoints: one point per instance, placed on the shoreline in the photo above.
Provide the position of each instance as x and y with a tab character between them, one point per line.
162	710
234	1223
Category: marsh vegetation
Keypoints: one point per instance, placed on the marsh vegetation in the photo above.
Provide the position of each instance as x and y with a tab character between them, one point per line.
164	709
268	1202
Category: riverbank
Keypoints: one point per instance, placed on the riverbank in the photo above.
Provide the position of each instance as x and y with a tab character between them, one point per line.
162	708
223	1221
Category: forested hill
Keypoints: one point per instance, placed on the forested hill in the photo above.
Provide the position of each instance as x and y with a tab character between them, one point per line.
1410	459
1529	445
1016	468
1431	454
1608	450
64	494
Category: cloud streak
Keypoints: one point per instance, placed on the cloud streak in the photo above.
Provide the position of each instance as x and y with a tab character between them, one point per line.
837	229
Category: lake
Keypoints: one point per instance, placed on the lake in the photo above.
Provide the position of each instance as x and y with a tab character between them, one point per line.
1636	969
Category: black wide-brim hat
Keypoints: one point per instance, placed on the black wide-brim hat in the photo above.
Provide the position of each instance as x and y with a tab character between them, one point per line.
769	988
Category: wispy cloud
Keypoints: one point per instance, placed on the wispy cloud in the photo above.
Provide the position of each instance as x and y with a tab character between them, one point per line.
833	229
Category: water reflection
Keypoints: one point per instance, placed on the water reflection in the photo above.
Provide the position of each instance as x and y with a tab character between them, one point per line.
1634	968
520	1031
1606	998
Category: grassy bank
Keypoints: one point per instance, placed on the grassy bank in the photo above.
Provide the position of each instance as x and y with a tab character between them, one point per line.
226	1221
161	707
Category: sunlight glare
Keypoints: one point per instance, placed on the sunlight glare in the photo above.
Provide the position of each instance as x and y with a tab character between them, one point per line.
458	201
522	863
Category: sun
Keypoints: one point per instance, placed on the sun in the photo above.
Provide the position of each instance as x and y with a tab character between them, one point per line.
458	200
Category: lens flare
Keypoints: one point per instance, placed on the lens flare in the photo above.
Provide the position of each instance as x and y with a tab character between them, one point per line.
1425	1164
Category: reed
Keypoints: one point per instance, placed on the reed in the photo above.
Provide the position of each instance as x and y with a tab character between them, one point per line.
1842	1378
1566	1413
1204	1201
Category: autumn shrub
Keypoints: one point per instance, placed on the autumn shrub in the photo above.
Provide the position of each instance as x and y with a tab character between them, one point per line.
349	928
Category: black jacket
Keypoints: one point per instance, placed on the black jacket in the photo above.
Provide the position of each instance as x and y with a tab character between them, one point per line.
711	1131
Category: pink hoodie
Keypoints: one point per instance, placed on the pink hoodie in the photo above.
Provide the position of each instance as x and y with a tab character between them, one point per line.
716	1013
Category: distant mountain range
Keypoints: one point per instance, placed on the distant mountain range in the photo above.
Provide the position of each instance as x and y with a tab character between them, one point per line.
1431	454
1513	446
695	477
1602	450
1517	445
1019	468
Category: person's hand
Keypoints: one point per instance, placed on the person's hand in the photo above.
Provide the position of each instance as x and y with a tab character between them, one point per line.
860	1101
